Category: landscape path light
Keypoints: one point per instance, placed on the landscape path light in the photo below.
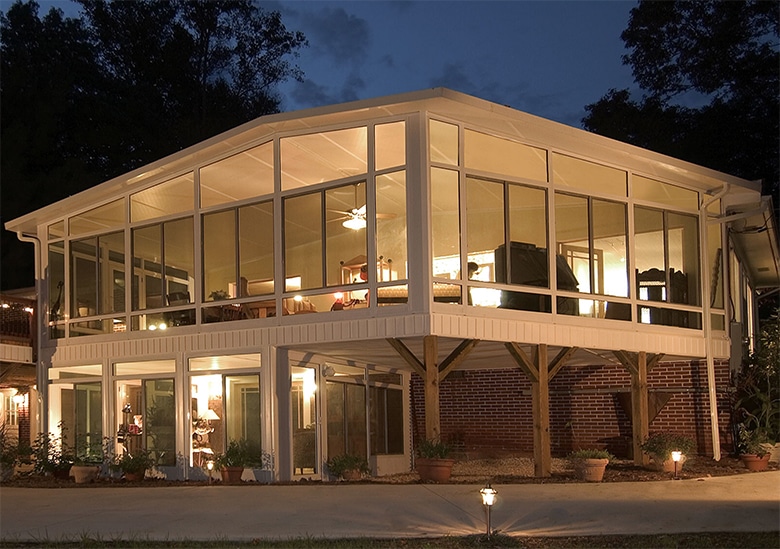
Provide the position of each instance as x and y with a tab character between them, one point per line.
210	467
488	499
676	456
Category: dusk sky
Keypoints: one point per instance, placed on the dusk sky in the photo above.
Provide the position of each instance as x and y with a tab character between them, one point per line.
546	57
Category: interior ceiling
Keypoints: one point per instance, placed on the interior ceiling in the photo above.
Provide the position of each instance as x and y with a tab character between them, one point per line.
485	355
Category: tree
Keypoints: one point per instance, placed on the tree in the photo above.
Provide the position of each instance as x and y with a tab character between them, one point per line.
85	99
720	55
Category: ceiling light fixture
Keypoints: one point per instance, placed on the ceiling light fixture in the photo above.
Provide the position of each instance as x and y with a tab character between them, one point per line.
355	223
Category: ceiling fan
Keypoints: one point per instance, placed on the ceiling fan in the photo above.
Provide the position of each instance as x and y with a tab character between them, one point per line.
355	218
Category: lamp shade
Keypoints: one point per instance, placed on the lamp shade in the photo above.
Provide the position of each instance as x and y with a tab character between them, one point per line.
210	415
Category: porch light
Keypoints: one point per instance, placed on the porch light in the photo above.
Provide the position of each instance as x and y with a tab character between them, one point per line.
488	499
676	456
210	467
19	399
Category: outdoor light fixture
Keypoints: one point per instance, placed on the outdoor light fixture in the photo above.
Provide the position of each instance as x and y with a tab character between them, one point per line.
210	467
488	499
676	456
19	399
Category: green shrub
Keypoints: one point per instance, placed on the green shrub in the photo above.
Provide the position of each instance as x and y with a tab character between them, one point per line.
590	453
338	465
663	443
433	449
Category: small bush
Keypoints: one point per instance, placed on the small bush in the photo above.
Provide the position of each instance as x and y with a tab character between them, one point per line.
590	453
662	444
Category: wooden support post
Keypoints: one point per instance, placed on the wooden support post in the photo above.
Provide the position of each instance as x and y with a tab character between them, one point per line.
432	419
640	415
540	394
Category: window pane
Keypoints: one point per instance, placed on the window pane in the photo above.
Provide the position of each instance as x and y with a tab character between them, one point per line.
242	411
445	222
581	174
88	421
444	142
244	175
320	157
571	233
56	278
303	242
391	226
528	234
649	189
684	259
304	420
256	248
493	154
208	418
179	257
147	265
609	242
219	256
345	231
83	283
715	254
485	226
226	362
390	145
649	250
111	274
98	219
171	197
159	422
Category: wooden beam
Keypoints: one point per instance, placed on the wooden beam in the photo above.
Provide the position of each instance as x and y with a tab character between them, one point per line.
523	360
640	412
540	395
432	420
653	361
560	360
456	357
627	359
408	356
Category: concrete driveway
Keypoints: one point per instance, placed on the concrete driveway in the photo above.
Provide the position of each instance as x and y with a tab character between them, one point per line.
741	503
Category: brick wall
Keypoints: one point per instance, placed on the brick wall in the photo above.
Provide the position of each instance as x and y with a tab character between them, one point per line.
488	412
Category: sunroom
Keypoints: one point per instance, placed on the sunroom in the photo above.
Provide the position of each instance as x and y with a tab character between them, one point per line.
291	282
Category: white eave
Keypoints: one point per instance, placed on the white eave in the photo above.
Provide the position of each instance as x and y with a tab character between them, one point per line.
753	230
439	102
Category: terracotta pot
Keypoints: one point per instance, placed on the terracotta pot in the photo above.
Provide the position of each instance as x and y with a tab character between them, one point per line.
84	473
232	475
754	463
134	477
352	474
591	470
434	470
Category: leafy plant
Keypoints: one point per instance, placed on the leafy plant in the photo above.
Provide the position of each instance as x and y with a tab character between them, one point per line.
338	465
137	462
241	453
590	453
751	441
434	449
663	443
50	454
757	402
9	448
218	295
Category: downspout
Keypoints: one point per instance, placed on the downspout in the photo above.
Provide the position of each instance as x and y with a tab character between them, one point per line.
40	375
707	324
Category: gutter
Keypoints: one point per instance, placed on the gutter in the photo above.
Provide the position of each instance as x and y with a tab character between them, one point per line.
40	377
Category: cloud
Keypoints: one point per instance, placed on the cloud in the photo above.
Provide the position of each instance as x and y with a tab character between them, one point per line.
334	33
310	94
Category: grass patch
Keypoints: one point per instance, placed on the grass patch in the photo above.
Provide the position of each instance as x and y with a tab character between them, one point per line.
710	540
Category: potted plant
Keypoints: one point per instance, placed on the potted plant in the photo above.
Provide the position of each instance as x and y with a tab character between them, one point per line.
348	467
659	446
433	462
218	295
589	464
134	465
86	463
233	460
752	447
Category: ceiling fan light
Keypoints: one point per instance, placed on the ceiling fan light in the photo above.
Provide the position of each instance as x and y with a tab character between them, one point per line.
355	223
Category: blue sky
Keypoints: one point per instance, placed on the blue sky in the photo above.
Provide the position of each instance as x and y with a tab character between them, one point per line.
546	57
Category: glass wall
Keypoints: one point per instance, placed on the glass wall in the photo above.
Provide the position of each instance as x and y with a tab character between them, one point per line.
303	396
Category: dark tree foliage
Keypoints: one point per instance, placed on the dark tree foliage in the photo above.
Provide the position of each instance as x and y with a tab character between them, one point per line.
85	99
722	55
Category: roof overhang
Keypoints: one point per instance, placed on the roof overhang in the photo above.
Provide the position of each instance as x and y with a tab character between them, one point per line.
753	229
